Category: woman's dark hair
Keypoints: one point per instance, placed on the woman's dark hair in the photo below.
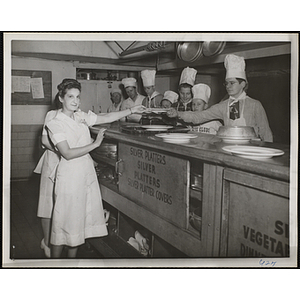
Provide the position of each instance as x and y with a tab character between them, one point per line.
240	80
56	103
67	84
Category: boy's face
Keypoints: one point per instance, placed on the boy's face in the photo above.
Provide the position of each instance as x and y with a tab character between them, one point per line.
149	90
116	98
185	94
198	105
166	103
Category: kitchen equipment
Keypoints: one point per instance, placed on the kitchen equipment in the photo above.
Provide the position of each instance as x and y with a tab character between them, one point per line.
236	134
176	138
195	218
196	181
154	118
213	48
253	151
190	51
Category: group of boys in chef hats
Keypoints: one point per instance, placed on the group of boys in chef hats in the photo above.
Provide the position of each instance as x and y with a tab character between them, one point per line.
235	67
188	75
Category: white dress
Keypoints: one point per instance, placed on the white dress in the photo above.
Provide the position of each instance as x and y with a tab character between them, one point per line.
78	211
47	163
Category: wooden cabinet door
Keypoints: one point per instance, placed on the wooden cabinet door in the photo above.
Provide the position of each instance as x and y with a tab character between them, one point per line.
255	216
156	181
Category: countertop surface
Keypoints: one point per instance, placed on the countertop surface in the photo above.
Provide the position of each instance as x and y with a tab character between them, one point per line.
208	148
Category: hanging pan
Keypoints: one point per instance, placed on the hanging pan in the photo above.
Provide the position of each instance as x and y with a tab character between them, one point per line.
213	48
189	51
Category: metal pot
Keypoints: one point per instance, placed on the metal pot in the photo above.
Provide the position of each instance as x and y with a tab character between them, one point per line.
236	132
213	48
190	51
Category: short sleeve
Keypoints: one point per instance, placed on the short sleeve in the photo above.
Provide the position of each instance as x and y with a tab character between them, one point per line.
49	116
56	132
90	118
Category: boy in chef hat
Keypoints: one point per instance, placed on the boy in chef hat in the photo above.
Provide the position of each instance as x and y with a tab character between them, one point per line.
116	99
201	96
169	98
239	109
187	80
134	98
153	98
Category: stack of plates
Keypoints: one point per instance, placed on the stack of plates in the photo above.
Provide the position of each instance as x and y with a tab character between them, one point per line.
176	138
157	127
253	152
156	110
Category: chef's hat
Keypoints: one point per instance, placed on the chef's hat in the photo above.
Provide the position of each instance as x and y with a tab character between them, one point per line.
235	66
171	96
188	75
129	81
116	91
148	77
201	91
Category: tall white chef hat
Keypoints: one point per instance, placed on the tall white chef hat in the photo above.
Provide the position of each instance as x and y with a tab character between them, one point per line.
129	81
201	91
171	96
235	66
188	75
148	77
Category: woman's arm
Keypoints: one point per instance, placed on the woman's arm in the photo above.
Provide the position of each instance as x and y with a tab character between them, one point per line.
116	115
46	143
70	153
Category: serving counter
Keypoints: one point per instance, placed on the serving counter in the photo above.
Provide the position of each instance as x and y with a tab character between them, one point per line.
192	199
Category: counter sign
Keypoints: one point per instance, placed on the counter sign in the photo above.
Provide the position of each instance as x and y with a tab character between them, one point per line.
156	181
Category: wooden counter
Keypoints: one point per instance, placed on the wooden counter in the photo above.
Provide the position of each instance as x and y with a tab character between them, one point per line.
209	148
244	202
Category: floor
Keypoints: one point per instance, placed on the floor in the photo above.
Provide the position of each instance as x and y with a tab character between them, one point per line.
26	231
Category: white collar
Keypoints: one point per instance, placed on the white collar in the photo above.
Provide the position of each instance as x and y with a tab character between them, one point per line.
242	96
154	94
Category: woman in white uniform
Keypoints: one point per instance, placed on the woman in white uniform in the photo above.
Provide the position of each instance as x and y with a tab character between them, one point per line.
78	212
45	167
239	109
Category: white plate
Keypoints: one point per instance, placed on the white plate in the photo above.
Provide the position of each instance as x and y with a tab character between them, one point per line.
176	138
176	135
177	141
156	110
253	151
235	141
156	127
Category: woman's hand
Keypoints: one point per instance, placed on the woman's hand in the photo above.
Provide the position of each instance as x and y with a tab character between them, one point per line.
138	109
100	136
172	113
